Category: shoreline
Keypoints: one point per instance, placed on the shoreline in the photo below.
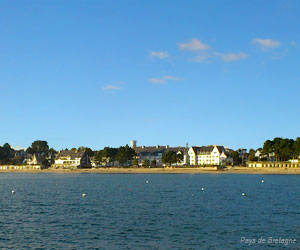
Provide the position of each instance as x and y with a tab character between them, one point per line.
231	170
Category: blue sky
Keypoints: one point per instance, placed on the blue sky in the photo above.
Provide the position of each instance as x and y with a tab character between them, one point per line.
100	73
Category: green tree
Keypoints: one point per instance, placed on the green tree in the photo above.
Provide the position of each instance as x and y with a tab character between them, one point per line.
236	157
169	157
146	163
153	163
251	156
296	148
125	154
180	157
135	162
6	153
40	147
89	151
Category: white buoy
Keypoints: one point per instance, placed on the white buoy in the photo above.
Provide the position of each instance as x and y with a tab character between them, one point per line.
83	195
147	182
13	192
192	195
202	189
262	181
243	194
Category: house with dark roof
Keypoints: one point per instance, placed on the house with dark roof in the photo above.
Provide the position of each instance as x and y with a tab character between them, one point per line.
72	159
154	153
35	159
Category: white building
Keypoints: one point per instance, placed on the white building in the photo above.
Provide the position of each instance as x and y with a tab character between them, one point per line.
210	155
72	159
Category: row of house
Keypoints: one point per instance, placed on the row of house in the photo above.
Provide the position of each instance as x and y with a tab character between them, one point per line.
212	155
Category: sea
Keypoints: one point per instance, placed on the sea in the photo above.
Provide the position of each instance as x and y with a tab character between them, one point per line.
149	211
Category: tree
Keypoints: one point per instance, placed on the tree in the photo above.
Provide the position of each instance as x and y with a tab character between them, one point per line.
236	157
180	157
153	163
251	156
40	147
146	163
5	153
135	162
296	148
89	151
169	157
125	154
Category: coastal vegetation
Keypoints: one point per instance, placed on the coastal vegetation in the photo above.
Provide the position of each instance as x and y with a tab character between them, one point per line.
278	149
170	157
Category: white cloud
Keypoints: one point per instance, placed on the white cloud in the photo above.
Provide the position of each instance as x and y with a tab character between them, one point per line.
266	43
202	57
159	54
157	80
163	80
193	45
18	147
173	78
231	57
111	87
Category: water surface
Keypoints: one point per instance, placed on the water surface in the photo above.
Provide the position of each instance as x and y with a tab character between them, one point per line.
122	211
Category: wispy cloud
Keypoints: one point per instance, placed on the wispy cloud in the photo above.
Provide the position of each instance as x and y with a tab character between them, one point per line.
231	57
193	45
202	57
163	80
159	54
109	87
265	43
173	78
157	80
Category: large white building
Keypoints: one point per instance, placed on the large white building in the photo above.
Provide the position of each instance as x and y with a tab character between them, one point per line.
209	155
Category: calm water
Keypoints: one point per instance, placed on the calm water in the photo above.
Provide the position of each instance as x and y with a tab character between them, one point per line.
48	211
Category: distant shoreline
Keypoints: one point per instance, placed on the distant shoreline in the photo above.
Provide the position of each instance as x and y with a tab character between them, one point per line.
231	170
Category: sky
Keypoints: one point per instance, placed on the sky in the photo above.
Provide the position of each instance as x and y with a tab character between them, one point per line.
102	73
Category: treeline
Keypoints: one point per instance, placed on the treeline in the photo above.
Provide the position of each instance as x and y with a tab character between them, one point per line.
281	149
8	155
123	155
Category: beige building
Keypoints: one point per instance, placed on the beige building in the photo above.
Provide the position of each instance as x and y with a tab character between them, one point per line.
72	159
35	159
208	155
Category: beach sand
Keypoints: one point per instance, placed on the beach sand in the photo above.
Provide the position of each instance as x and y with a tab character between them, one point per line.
229	170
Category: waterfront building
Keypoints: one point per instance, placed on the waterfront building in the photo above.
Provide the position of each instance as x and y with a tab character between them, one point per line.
209	155
35	159
155	153
72	159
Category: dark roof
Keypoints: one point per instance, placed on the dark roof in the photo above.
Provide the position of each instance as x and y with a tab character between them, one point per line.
205	150
157	149
221	149
196	149
70	153
38	157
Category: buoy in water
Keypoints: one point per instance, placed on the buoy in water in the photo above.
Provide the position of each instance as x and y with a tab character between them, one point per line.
243	194
13	192
262	181
83	195
202	189
147	182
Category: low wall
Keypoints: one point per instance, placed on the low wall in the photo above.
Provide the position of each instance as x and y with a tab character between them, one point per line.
267	164
21	167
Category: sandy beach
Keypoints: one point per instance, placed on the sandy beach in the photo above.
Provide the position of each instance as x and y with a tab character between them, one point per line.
229	170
